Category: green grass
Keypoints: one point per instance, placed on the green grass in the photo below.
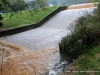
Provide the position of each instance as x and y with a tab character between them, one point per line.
90	61
23	18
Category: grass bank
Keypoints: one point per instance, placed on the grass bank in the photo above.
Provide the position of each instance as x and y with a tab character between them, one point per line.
89	61
86	64
83	43
85	35
23	18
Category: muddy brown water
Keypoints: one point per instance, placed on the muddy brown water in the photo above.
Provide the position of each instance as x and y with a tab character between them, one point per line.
19	61
48	35
36	51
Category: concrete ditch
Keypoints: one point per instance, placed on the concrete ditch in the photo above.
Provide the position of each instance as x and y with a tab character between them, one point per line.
45	37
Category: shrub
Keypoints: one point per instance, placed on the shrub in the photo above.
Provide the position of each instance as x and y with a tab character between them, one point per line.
84	36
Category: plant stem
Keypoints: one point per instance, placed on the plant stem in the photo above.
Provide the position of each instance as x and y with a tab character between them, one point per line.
2	61
34	70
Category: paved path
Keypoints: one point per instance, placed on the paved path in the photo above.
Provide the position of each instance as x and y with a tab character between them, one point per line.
48	35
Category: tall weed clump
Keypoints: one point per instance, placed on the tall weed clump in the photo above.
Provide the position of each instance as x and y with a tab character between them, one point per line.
85	35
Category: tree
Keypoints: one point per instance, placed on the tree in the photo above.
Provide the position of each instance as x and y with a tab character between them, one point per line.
1	18
34	5
5	4
18	5
42	3
1	24
13	5
10	4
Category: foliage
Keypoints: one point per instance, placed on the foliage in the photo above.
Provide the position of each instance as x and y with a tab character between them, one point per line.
1	24
93	0
5	4
18	5
42	3
1	8
84	36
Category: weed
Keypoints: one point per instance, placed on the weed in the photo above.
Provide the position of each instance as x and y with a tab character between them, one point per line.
2	61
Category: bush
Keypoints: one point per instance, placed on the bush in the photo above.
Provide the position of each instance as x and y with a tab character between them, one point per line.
85	35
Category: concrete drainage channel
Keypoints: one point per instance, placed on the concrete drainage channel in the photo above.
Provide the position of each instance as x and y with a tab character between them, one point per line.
62	65
32	26
65	17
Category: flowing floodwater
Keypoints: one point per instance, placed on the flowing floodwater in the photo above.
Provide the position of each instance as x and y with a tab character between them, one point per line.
38	51
19	61
48	35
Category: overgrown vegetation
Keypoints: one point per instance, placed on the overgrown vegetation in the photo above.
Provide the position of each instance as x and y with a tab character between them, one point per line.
85	35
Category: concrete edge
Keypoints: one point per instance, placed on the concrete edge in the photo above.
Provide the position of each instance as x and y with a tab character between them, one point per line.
31	26
45	19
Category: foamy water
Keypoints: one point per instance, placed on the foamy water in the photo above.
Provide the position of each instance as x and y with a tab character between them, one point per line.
48	35
19	60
